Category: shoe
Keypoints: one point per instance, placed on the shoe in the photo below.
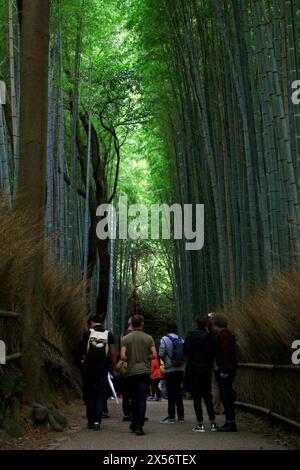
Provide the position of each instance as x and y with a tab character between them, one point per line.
139	431
146	419
105	415
180	420
90	425
132	427
150	398
199	428
127	419
96	426
228	427
213	427
168	420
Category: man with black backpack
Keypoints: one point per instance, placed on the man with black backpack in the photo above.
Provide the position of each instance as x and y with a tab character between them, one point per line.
171	352
100	359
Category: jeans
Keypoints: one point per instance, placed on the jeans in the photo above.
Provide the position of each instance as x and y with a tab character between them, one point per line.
174	382
126	400
202	389
95	394
138	390
227	394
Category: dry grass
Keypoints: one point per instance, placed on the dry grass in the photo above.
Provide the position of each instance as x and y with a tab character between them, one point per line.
268	322
18	247
265	325
63	301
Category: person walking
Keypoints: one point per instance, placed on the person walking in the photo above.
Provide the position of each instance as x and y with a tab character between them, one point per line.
226	363
126	401
199	350
156	377
171	352
138	348
215	390
99	360
79	355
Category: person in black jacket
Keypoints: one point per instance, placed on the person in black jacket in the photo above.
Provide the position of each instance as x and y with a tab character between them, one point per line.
99	359
79	353
226	364
199	350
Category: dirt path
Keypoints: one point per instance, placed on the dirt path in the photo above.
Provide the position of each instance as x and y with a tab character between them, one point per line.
115	434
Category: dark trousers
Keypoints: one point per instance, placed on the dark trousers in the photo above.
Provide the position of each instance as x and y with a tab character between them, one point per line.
126	401
201	388
174	382
227	395
138	389
105	407
83	381
155	391
95	394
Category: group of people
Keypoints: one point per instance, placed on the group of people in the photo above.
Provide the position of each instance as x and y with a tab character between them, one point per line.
207	354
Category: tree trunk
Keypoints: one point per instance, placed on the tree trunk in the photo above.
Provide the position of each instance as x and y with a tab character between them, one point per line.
31	195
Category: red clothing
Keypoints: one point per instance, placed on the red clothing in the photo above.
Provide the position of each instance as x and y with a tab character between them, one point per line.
156	373
226	350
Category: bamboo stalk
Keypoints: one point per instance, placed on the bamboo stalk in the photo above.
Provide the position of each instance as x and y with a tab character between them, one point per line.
87	184
13	96
8	314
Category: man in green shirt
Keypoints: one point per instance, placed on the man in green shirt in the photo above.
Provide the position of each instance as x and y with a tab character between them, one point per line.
138	348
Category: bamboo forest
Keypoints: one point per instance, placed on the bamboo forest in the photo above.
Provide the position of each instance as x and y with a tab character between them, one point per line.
142	108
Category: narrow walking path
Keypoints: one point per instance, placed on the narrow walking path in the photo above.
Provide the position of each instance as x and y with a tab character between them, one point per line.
115	434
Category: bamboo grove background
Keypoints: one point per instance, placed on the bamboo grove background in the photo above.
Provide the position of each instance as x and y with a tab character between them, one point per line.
232	139
206	87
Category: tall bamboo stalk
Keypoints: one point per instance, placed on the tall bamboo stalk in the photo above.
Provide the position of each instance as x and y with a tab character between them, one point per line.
73	214
13	96
87	185
61	160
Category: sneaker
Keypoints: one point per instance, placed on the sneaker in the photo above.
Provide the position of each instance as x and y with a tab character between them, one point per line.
168	420
199	428
96	426
180	420
228	427
213	427
139	431
90	425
